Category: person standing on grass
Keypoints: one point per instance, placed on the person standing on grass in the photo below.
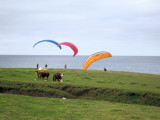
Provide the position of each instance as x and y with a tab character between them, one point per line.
37	66
46	66
105	69
65	66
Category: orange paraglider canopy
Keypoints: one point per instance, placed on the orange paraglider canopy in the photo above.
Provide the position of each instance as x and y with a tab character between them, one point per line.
95	57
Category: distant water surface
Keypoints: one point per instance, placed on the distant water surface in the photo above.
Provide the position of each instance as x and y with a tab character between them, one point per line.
141	64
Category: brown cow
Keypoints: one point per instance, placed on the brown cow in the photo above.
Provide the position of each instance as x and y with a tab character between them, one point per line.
38	73
58	76
42	74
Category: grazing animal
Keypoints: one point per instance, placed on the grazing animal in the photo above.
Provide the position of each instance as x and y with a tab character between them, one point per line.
42	74
45	74
58	76
38	73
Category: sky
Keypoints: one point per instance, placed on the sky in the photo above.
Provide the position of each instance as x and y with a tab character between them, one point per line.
121	27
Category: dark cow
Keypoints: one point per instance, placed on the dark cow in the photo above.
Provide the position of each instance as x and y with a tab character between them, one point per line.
58	76
42	74
45	74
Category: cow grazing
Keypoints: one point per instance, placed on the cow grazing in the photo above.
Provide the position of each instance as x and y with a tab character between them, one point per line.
58	76
38	73
45	74
42	74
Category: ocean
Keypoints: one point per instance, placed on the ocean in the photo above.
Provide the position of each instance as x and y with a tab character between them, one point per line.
140	64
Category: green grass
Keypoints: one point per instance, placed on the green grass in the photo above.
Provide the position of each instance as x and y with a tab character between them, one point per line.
89	93
15	107
110	79
58	90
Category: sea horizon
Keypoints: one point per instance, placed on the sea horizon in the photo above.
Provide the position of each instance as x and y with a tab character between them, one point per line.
139	64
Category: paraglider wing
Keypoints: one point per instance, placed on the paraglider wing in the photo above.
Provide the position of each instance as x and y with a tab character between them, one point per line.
72	46
95	57
54	42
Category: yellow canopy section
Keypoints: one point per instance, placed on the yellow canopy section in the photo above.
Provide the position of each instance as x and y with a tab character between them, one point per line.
95	57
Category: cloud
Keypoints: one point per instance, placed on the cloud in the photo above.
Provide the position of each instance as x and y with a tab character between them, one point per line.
116	25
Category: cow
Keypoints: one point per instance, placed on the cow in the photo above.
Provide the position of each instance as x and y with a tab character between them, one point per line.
45	74
42	74
58	76
38	73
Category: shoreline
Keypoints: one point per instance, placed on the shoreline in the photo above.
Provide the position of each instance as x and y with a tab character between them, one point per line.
78	69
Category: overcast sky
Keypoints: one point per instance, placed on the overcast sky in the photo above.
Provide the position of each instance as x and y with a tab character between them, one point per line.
121	27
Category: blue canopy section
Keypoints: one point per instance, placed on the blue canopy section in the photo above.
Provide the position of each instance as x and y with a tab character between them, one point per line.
99	52
54	42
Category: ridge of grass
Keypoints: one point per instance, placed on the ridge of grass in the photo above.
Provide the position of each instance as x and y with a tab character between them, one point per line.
76	91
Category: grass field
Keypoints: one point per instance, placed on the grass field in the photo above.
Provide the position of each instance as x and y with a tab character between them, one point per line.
90	91
109	79
14	107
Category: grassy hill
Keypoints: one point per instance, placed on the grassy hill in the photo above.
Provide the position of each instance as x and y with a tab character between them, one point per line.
89	88
109	79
